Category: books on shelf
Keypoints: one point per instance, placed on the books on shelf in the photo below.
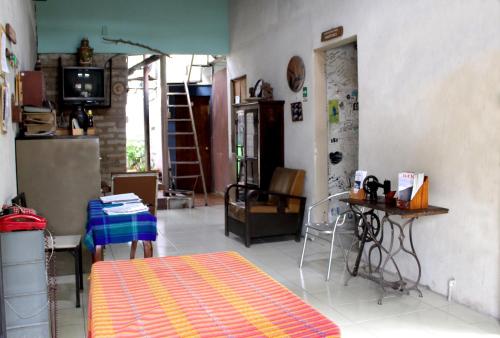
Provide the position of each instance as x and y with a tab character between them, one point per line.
39	118
39	121
34	109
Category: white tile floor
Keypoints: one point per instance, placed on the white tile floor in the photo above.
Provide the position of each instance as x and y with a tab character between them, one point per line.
354	308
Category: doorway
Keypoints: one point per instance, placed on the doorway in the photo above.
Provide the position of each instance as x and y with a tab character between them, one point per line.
341	67
146	127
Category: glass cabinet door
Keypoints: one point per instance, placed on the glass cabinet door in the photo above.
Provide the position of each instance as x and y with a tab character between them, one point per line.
247	147
240	145
251	147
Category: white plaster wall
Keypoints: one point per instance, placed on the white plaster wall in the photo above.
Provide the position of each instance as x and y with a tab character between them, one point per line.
429	97
21	15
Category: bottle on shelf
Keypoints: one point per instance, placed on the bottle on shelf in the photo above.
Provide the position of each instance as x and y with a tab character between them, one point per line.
91	118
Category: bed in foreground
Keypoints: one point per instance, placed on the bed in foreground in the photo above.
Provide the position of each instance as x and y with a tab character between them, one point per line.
208	295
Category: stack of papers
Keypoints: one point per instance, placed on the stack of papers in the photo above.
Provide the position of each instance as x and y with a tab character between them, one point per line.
127	208
121	198
409	184
359	178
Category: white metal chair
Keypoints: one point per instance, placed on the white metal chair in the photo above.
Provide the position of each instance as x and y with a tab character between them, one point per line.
323	229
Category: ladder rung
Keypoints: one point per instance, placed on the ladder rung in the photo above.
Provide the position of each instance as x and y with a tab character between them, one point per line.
179	120
179	105
181	148
186	176
175	93
181	133
184	162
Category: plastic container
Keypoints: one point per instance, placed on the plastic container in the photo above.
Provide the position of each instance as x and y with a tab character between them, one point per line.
25	284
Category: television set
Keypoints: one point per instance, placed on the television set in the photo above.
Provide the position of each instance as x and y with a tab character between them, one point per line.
83	86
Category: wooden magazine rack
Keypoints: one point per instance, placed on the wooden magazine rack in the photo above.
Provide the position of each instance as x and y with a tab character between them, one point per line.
420	200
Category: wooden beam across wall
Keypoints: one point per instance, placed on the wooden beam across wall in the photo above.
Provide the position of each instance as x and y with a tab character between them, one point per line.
144	63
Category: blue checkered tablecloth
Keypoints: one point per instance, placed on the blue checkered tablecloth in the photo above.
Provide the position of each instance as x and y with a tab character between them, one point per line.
108	229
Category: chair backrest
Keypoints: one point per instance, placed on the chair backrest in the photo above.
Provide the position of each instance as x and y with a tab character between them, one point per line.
143	184
288	181
20	200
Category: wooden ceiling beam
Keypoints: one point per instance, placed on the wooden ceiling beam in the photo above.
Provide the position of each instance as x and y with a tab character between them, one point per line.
143	63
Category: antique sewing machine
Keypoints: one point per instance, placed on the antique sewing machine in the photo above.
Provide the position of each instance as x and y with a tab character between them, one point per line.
371	186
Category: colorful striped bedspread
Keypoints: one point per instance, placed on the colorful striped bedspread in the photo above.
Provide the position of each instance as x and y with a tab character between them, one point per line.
206	295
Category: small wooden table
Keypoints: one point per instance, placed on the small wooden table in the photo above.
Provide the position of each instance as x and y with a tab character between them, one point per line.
371	229
105	229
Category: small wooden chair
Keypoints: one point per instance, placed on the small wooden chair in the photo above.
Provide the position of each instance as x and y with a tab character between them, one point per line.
276	212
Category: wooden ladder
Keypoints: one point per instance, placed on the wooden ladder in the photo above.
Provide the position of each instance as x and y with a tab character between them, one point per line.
174	164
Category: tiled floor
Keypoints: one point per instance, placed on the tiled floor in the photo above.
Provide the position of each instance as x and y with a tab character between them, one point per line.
354	308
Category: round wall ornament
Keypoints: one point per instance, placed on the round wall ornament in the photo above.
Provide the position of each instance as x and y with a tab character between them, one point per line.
118	88
296	73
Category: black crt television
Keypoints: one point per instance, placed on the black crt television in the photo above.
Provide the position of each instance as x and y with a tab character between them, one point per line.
83	86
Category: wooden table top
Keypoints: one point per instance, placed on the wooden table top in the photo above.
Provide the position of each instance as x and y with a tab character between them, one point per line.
393	210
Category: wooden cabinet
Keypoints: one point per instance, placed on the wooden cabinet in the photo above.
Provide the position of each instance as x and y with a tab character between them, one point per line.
258	141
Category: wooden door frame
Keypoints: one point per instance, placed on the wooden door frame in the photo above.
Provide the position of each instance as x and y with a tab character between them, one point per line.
233	82
230	129
320	184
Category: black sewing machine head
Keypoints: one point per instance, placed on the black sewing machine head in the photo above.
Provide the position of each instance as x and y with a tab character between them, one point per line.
371	185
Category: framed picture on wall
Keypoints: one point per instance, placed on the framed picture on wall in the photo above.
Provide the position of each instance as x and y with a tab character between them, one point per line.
3	110
296	108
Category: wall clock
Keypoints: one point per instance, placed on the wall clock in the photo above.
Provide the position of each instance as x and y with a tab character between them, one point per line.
295	73
118	88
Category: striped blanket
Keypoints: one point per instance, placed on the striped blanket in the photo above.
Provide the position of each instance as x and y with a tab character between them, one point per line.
205	295
108	229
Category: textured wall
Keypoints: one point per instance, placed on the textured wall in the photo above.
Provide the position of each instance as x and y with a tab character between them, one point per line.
173	26
109	122
21	15
429	101
341	67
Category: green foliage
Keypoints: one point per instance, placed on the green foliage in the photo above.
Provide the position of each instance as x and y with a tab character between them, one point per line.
136	156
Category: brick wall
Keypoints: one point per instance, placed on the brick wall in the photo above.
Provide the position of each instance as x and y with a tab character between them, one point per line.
110	123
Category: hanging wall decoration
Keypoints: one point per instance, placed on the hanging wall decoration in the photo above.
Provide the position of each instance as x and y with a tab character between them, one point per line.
332	33
4	65
3	108
333	111
297	111
11	33
296	73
